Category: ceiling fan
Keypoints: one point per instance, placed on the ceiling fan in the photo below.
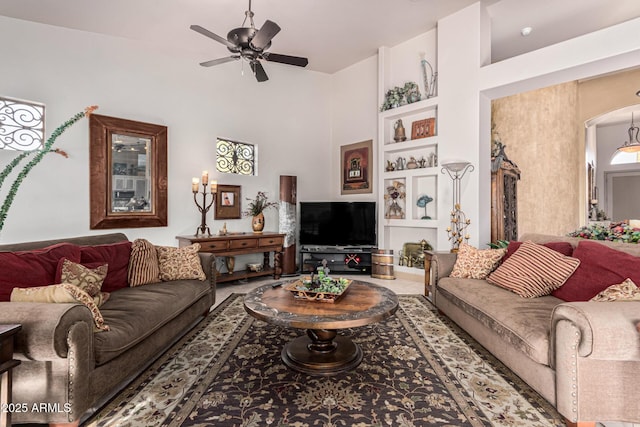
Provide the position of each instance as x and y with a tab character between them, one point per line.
251	43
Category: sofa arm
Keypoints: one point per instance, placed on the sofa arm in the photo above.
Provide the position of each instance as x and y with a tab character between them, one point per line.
607	329
44	327
596	357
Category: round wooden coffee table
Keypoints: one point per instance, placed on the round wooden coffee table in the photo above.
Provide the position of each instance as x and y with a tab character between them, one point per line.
322	351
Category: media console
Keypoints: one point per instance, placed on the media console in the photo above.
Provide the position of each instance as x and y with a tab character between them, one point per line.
340	259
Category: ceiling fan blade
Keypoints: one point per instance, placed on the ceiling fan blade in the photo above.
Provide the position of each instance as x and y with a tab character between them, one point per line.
286	59
264	35
219	61
259	72
207	33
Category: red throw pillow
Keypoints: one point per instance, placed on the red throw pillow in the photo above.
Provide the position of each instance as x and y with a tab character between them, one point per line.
28	269
600	267
116	255
564	248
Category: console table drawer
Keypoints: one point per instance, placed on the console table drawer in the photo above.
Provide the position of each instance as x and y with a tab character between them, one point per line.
242	243
270	241
214	246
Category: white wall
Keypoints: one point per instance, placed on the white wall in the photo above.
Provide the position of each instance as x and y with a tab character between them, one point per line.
354	117
287	117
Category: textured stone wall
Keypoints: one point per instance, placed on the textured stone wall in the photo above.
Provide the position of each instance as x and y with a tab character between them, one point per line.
541	132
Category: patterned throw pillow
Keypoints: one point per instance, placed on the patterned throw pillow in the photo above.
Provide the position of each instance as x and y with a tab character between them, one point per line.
534	270
143	265
84	298
61	293
88	279
473	263
625	291
180	263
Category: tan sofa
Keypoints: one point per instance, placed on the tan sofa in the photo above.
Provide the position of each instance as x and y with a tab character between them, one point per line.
75	370
582	357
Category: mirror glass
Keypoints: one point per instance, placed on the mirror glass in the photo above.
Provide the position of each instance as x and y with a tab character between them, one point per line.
128	179
131	173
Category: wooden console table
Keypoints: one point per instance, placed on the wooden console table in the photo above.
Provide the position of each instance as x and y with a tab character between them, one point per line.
241	244
7	363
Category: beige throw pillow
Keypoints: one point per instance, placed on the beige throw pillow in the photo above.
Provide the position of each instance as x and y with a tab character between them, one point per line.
61	293
625	291
473	263
534	270
143	265
180	263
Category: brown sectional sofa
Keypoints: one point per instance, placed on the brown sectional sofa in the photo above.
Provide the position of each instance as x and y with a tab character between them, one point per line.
583	357
64	362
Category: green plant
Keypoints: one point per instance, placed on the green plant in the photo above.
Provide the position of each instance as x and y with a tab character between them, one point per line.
498	244
259	204
38	156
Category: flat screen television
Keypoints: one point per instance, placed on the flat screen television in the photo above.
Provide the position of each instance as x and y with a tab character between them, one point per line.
338	224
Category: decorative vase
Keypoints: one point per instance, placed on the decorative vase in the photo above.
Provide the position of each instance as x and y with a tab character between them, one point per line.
257	223
230	263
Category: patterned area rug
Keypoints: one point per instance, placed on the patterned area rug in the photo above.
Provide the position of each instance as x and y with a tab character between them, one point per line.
418	369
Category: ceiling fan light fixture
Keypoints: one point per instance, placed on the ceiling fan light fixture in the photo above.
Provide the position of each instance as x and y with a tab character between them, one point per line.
251	44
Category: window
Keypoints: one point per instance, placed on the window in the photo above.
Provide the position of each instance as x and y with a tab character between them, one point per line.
236	157
21	125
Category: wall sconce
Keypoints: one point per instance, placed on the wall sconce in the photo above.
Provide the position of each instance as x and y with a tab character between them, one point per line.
204	208
459	222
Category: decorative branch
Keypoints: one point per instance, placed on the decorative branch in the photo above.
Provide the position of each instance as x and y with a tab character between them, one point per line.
33	162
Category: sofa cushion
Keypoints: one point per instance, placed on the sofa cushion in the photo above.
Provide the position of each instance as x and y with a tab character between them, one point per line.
625	291
475	263
26	269
564	248
180	263
116	255
129	326
521	323
143	265
600	267
534	270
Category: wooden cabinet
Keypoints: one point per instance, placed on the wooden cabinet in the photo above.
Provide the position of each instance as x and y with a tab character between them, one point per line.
242	244
504	200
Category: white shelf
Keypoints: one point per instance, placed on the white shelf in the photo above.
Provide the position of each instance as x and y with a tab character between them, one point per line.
424	105
411	223
410	144
410	173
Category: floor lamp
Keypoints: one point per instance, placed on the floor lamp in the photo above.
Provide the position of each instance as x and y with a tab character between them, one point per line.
459	222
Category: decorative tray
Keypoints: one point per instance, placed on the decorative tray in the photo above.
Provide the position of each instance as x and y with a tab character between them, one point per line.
329	291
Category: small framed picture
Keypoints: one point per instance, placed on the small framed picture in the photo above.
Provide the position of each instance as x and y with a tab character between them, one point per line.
423	128
227	202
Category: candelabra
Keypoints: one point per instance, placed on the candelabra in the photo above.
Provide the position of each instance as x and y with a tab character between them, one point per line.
204	208
459	222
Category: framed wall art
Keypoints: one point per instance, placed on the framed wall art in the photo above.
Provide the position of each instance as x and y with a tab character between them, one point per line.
356	166
227	202
423	128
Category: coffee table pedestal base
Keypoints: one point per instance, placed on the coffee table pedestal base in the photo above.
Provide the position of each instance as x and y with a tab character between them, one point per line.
322	352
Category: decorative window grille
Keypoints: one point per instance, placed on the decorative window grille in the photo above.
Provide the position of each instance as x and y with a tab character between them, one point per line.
236	157
21	125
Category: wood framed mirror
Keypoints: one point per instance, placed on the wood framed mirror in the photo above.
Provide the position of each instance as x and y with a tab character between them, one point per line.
128	173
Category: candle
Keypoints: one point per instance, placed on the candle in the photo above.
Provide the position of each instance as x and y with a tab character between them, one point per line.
194	185
205	177
214	186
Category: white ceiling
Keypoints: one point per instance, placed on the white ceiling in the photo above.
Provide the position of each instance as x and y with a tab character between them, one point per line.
333	34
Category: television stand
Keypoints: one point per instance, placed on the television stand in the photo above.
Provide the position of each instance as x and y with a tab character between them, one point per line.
340	259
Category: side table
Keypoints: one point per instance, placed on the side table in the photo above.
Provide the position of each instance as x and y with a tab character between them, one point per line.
7	363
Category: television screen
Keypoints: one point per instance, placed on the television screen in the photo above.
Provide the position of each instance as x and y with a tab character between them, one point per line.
338	223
